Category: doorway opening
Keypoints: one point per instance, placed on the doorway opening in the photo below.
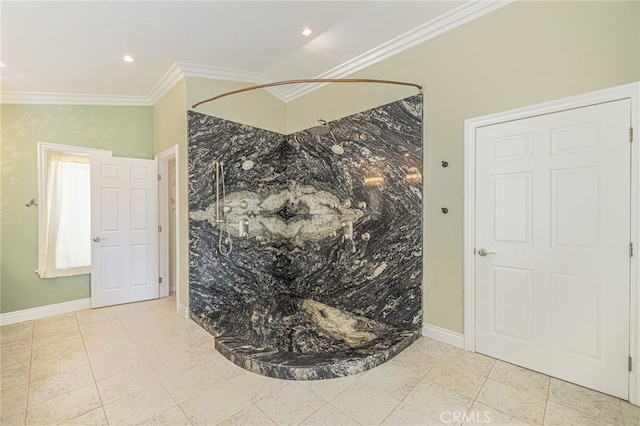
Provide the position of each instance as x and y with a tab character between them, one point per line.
168	232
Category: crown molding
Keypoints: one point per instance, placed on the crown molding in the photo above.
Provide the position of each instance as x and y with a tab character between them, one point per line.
53	98
453	19
179	70
166	82
440	25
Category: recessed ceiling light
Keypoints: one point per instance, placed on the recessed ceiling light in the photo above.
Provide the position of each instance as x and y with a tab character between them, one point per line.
128	58
306	32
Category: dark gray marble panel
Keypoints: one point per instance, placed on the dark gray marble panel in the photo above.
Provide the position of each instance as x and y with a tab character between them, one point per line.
295	193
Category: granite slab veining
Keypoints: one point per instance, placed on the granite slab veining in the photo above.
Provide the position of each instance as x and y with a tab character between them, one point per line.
295	299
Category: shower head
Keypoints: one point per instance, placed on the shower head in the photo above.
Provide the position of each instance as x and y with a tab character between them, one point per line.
321	129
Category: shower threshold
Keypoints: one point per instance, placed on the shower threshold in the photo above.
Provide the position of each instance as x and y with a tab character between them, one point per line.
304	339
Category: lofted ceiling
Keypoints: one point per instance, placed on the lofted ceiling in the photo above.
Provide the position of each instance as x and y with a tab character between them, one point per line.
53	51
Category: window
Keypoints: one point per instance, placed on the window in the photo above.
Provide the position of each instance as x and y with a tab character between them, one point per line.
64	210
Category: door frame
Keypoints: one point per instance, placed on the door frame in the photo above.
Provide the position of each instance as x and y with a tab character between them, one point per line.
628	91
163	159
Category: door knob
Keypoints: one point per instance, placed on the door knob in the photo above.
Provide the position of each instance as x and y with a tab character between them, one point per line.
98	239
483	252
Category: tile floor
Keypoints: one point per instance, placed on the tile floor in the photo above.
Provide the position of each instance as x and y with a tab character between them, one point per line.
143	364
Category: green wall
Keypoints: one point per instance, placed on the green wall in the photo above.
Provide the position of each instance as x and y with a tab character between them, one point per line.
126	131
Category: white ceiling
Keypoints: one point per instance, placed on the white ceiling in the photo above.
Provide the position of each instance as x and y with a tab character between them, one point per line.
73	49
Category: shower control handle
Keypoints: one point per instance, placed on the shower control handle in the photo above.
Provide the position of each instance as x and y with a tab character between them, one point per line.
483	252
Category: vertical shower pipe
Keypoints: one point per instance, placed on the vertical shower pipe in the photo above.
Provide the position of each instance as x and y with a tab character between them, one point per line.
220	175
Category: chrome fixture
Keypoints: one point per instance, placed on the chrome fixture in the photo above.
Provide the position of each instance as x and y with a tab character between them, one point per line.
221	219
243	228
347	231
321	129
483	252
31	203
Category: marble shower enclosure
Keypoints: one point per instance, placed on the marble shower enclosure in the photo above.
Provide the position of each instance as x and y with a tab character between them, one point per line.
296	298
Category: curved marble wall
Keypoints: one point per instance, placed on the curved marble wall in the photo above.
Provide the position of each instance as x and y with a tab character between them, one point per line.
295	299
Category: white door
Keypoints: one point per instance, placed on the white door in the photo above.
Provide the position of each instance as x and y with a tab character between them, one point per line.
124	230
552	244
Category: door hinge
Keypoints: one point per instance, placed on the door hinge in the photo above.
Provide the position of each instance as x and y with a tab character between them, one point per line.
159	228
630	249
159	280
630	134
630	364
159	177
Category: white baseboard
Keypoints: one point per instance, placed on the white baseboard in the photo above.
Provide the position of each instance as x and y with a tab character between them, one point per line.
183	311
44	311
443	335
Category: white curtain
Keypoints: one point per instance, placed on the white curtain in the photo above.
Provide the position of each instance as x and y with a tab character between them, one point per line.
67	245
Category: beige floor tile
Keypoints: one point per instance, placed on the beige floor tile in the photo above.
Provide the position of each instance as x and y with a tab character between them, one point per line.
391	379
364	403
124	347
64	407
290	403
472	361
483	414
585	400
92	418
249	416
161	342
16	347
219	402
18	331
434	399
55	323
51	367
103	335
430	347
146	359
16	419
103	368
87	317
185	384
15	377
16	361
139	406
207	351
463	381
414	363
406	415
329	388
227	369
58	384
63	349
559	415
70	337
520	378
514	402
132	381
168	364
171	417
191	333
329	415
143	326
630	414
13	403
